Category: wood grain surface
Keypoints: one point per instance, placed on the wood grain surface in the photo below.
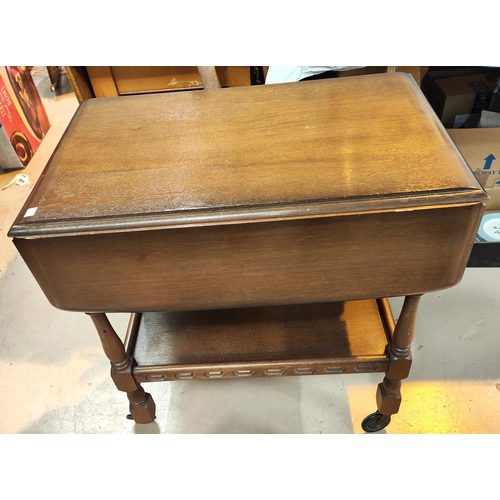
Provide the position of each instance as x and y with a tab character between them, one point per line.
372	137
343	257
261	334
273	341
318	191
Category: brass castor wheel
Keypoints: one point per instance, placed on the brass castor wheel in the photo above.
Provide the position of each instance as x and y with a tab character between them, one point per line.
375	422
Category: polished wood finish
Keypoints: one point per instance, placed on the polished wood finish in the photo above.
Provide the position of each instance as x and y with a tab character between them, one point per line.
399	355
236	220
142	406
235	265
220	182
252	148
254	208
321	338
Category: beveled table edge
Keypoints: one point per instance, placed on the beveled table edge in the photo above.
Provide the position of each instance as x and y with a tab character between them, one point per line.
23	228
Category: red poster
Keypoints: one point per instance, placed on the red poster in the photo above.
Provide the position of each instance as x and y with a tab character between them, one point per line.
22	114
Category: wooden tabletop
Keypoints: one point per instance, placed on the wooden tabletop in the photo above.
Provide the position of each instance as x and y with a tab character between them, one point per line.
272	147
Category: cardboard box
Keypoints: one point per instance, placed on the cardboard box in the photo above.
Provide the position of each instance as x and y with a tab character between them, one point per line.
23	119
480	148
460	96
434	73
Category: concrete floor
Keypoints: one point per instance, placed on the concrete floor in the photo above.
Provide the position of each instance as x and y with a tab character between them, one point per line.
54	377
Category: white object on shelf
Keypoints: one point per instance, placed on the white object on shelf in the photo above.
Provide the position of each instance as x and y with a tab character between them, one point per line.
285	74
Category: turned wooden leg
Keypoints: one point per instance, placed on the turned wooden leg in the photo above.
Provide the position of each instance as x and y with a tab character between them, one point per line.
142	406
399	354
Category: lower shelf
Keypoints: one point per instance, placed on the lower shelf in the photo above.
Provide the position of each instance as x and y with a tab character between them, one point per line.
326	338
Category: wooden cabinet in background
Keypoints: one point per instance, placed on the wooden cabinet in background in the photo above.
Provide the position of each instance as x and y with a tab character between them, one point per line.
112	81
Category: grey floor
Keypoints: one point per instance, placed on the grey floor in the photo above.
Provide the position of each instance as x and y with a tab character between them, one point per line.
54	377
